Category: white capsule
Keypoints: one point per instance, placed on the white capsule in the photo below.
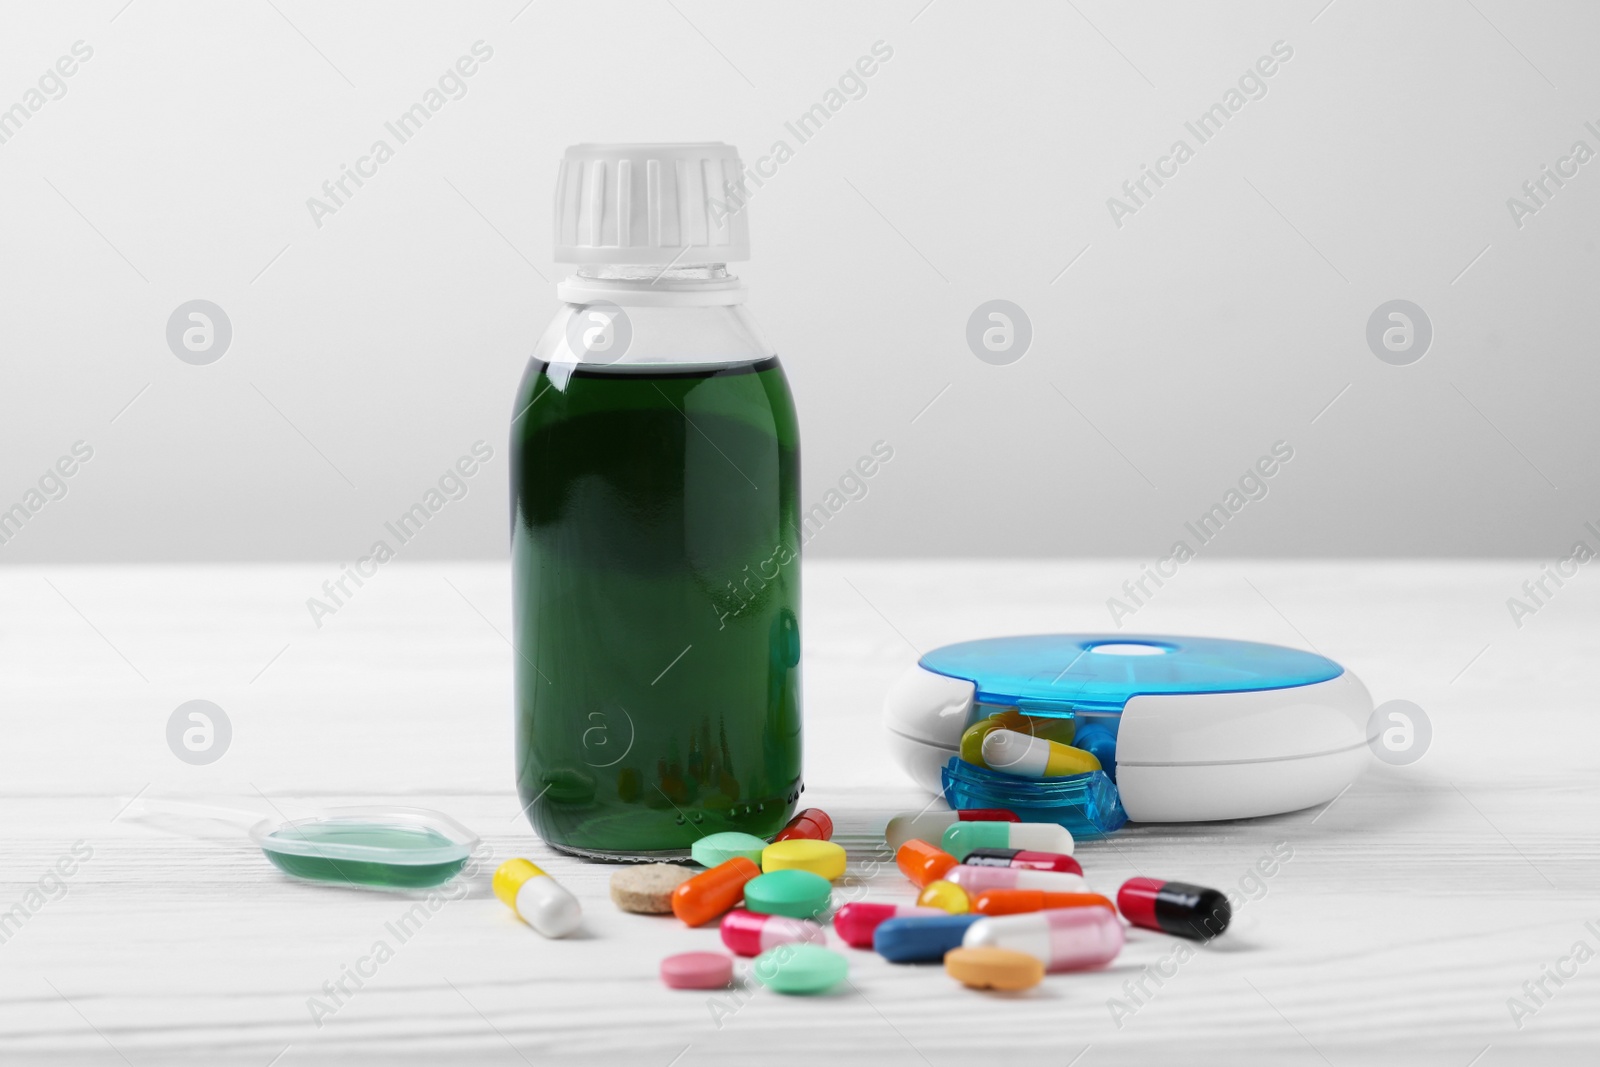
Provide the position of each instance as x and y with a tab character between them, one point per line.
926	826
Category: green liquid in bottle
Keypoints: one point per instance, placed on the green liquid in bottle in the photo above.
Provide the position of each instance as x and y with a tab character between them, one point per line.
656	591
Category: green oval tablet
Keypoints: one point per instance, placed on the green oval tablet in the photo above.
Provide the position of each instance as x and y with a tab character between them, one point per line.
713	850
797	894
799	969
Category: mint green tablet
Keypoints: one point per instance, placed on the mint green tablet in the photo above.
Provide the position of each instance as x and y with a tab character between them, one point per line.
713	850
797	894
800	969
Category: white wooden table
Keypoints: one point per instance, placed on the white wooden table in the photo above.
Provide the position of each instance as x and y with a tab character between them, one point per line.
1413	908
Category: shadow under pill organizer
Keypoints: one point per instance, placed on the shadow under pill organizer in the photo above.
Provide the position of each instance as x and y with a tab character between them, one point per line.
1186	729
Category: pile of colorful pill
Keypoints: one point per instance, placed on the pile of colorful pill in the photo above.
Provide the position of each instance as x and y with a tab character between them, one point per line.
1009	902
1001	902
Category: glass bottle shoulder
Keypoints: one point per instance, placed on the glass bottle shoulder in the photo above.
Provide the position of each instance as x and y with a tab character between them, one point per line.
607	335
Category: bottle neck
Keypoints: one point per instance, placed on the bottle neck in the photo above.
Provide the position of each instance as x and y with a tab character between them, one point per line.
651	285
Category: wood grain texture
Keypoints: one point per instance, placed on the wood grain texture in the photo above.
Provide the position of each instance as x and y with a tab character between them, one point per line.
1412	908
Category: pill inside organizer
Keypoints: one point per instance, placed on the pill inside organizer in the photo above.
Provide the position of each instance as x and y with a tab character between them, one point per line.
383	848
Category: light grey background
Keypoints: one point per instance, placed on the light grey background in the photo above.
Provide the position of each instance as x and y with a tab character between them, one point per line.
1168	353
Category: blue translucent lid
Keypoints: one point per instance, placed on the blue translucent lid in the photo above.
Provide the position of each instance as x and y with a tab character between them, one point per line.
1061	673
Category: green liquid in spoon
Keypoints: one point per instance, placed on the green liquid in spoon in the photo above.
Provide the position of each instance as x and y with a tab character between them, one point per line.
327	844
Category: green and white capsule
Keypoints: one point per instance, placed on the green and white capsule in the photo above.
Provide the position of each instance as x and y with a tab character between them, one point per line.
962	837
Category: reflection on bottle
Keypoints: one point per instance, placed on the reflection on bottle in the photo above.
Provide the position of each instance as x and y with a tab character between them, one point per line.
727	781
568	785
781	741
669	780
785	640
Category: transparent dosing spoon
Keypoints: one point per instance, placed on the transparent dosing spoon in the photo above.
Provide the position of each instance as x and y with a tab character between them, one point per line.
373	847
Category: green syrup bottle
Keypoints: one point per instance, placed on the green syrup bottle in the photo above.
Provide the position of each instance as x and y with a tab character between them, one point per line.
655	543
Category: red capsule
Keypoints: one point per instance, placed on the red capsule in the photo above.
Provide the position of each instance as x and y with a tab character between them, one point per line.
1022	859
812	823
855	922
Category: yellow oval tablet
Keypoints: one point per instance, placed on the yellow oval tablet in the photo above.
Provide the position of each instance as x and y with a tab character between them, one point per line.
946	896
802	854
993	968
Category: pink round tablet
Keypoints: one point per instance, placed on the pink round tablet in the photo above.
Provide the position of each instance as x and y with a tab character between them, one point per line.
697	970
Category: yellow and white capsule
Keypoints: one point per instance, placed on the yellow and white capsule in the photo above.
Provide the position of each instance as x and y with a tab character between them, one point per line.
538	899
1011	752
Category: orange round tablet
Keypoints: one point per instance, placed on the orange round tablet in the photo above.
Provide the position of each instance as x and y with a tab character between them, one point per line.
993	968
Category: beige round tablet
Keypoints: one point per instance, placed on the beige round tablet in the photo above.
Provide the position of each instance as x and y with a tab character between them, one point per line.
993	968
648	889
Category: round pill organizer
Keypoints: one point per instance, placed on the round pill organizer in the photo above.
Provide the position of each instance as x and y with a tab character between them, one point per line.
1203	728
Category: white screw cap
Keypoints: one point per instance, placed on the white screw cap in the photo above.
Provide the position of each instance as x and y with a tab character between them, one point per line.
651	203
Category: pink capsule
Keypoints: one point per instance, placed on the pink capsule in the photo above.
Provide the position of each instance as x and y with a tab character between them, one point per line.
855	923
977	879
1066	939
748	934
